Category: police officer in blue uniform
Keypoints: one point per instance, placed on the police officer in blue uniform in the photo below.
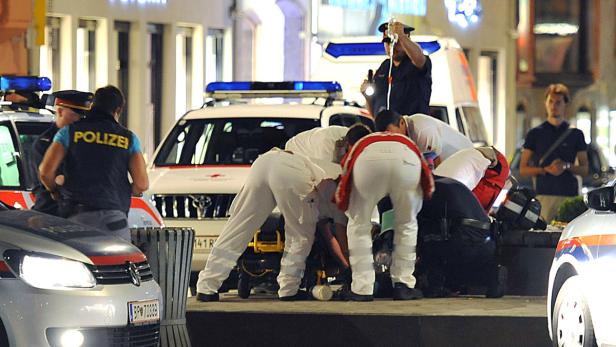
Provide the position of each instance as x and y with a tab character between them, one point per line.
71	105
98	155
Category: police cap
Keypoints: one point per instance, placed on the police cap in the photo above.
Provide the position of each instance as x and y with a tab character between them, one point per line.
407	29
80	102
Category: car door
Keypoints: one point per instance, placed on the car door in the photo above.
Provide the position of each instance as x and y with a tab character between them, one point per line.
605	303
12	191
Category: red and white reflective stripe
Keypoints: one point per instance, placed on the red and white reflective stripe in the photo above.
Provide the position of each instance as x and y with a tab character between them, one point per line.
17	199
138	203
118	259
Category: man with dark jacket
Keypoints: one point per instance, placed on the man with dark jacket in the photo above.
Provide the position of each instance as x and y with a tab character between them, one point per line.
71	105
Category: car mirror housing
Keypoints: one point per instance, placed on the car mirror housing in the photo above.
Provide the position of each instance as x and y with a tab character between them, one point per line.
600	199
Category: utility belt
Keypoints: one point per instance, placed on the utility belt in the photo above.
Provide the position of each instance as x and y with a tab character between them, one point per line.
440	229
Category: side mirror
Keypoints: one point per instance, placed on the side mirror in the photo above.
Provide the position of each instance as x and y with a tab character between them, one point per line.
600	199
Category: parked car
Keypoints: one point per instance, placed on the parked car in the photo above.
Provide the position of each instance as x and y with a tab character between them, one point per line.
599	170
67	284
19	128
582	281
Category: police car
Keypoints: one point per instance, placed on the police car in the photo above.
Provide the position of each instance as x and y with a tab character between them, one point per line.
204	160
65	284
18	131
453	99
582	281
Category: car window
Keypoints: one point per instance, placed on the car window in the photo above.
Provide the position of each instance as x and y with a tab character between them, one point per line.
348	119
439	112
9	170
227	141
473	123
28	132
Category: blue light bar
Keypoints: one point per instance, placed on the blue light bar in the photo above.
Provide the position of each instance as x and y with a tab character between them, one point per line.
25	83
298	86
338	50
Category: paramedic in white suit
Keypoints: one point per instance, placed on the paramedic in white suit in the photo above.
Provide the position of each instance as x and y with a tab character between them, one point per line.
383	168
430	134
277	178
318	143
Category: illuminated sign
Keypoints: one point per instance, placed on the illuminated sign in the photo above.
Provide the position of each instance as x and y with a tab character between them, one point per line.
407	7
463	12
139	2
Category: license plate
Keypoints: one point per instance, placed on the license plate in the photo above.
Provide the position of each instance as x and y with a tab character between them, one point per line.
140	312
204	243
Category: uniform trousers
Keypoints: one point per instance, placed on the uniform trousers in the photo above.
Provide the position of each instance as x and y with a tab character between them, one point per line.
384	168
276	178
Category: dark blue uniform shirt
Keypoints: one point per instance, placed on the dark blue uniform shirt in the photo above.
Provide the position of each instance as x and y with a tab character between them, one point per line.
539	140
410	91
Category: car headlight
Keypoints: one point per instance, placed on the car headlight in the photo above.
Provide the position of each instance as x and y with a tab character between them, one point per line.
49	272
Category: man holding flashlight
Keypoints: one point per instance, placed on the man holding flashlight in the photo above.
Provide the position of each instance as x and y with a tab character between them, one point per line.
411	77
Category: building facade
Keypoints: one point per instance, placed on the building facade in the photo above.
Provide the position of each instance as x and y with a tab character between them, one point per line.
570	42
160	53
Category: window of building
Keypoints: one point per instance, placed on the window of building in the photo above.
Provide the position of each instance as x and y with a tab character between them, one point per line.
122	30
50	52
183	70
562	37
214	55
86	55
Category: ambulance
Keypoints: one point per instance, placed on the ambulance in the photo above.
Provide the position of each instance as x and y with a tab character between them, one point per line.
19	128
204	160
453	99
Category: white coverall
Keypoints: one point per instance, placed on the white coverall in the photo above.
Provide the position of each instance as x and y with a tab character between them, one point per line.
466	166
384	168
433	135
276	178
317	143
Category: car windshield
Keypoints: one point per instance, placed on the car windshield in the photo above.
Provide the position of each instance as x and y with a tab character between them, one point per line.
236	141
28	132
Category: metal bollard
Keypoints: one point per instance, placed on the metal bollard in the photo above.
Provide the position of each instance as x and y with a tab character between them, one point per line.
169	252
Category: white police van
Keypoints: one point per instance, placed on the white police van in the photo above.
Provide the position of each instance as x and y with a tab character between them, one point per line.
453	99
18	130
202	163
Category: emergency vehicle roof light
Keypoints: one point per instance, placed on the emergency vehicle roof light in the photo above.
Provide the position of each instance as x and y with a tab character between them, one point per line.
225	90
25	83
338	50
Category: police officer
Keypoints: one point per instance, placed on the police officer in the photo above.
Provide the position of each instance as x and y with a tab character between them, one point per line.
71	105
411	75
98	154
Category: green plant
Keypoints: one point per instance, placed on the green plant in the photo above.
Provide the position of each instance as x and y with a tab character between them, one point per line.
570	209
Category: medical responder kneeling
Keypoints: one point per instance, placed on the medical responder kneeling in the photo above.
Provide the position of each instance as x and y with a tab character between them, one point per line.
483	170
378	165
280	178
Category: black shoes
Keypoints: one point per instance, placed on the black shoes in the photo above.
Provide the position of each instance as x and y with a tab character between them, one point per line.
207	297
498	283
346	294
299	296
402	292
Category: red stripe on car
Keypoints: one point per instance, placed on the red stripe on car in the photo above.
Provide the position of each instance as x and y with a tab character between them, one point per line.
118	259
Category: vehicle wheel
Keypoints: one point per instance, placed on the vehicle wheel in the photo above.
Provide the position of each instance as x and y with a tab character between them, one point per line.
571	321
243	285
